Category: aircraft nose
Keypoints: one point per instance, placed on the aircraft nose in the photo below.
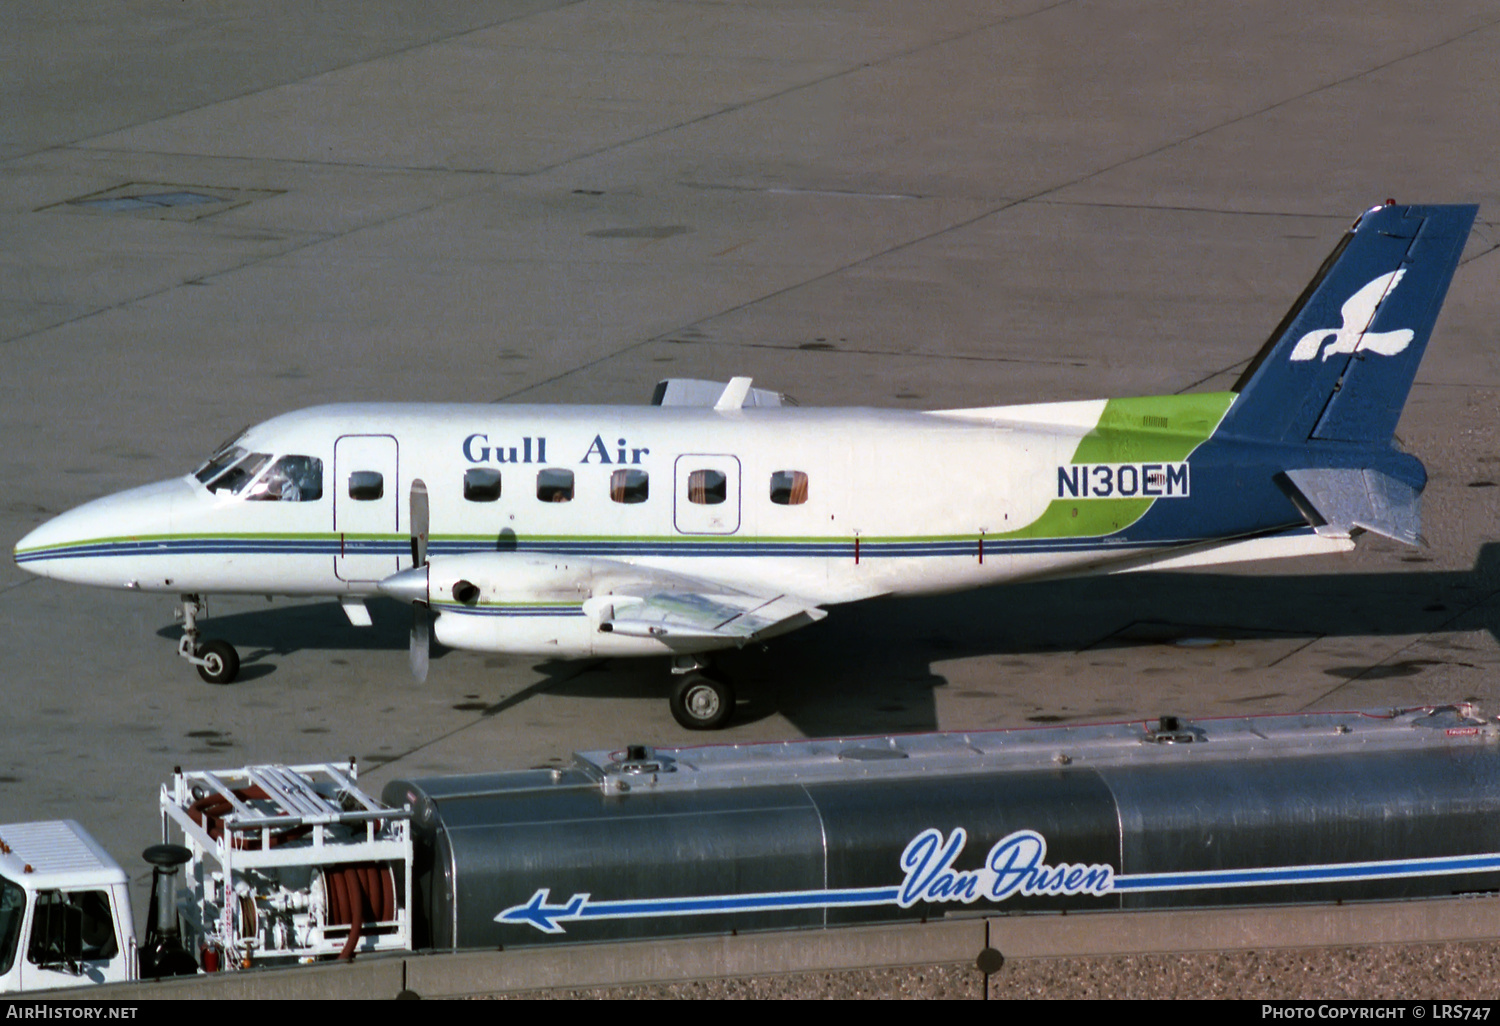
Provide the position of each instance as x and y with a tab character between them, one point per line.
82	544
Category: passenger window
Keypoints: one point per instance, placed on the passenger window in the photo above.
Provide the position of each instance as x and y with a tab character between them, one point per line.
366	485
481	484
290	479
707	487
628	486
789	487
553	485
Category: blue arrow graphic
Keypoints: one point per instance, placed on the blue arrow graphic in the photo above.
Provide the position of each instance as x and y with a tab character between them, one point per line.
549	918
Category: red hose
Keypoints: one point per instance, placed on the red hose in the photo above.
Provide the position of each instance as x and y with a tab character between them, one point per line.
359	894
210	810
347	881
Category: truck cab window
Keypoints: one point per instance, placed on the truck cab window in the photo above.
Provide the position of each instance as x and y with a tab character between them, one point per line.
12	911
628	486
68	924
707	487
481	484
789	487
290	479
98	924
554	485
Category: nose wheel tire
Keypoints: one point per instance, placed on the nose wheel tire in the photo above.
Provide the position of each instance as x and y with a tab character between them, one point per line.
221	663
700	702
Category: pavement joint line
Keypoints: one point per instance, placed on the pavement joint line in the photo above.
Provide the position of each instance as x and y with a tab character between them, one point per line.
963	223
1479	256
1209	377
832	76
1467	385
295	81
1001	208
205	278
510	701
1442	628
541	171
916	354
1248	115
83	147
81	144
1309	643
1176	208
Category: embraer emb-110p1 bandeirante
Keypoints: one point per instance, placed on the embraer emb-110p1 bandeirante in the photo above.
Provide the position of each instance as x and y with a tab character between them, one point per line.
719	516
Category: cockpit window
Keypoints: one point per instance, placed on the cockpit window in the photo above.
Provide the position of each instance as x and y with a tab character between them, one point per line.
241	474
290	479
218	463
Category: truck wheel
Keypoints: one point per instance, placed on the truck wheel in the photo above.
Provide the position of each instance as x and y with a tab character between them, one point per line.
221	662
702	703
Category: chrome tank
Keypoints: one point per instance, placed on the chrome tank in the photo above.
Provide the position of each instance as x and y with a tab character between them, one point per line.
646	842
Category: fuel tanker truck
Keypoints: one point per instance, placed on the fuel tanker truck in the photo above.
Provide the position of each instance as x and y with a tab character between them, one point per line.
281	865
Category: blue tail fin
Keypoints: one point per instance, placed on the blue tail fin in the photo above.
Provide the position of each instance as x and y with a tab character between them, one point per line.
1340	364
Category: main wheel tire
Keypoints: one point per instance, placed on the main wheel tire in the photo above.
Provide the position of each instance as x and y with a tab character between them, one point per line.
702	703
221	663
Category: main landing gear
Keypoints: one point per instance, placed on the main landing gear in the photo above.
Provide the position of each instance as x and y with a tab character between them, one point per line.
700	700
217	661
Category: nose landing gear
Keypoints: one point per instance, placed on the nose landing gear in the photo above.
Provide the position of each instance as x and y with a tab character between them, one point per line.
217	661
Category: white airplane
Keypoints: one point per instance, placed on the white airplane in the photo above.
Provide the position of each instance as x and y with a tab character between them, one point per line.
719	516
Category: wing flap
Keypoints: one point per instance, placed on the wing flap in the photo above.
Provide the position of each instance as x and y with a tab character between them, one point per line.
736	618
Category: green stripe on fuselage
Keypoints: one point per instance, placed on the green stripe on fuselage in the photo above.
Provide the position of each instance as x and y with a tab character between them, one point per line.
1150	429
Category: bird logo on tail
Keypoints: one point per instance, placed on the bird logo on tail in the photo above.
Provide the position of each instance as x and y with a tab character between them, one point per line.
1350	336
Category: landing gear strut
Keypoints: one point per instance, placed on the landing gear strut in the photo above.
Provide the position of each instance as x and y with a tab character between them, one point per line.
699	700
217	661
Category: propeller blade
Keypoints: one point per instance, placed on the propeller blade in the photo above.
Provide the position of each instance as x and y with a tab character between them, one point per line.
420	641
418	523
420	620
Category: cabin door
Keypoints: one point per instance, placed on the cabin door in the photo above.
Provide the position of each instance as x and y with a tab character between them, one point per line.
706	496
367	508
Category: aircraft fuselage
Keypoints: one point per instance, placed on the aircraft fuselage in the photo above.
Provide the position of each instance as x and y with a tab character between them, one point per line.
829	505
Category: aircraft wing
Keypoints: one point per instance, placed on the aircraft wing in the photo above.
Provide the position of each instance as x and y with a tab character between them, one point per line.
735	617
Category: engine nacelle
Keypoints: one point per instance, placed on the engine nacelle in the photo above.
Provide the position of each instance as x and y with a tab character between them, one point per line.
534	605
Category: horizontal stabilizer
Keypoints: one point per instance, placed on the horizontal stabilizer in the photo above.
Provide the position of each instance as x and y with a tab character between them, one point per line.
695	392
1336	501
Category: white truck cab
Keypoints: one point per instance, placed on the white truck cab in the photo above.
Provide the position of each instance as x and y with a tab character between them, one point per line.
65	916
279	865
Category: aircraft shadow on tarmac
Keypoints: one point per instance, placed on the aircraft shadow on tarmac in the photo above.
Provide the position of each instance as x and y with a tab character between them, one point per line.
868	668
